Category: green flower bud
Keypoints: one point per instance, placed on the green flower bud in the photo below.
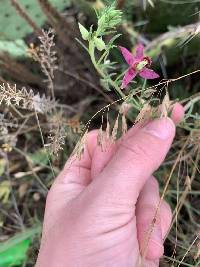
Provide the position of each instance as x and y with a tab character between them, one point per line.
84	32
100	44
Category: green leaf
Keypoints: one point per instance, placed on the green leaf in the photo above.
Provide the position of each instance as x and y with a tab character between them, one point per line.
105	84
13	26
2	166
40	157
16	48
4	191
84	32
113	39
100	45
13	252
15	255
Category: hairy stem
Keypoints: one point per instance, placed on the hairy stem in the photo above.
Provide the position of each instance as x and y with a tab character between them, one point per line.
102	74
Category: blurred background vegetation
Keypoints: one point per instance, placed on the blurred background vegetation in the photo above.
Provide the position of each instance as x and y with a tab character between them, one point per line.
170	31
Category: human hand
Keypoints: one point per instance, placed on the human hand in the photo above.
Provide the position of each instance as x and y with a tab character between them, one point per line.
100	208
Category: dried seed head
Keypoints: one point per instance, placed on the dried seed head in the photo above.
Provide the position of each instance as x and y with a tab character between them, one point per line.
125	107
79	149
124	125
145	113
197	255
188	182
108	129
115	130
165	107
101	138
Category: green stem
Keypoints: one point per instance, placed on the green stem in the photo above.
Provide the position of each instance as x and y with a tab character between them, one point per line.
102	74
143	87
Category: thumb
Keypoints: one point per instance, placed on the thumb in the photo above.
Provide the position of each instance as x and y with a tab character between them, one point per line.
135	160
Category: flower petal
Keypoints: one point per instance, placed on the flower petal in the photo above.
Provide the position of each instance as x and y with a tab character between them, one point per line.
130	75
139	51
148	74
128	56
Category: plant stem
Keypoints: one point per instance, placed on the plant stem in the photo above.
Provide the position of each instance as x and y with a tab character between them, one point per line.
102	74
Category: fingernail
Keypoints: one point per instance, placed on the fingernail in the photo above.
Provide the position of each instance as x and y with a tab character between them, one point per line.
160	128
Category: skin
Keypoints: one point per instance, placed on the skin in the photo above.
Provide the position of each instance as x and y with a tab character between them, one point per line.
100	208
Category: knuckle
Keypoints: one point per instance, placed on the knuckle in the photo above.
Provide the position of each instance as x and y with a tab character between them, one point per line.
139	152
144	149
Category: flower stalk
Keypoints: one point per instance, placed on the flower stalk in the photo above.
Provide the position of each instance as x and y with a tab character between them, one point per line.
96	64
108	19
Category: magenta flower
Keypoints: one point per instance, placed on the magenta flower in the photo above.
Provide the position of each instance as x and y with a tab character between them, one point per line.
139	64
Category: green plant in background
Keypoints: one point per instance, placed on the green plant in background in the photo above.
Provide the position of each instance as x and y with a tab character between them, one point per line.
13	28
15	48
13	252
